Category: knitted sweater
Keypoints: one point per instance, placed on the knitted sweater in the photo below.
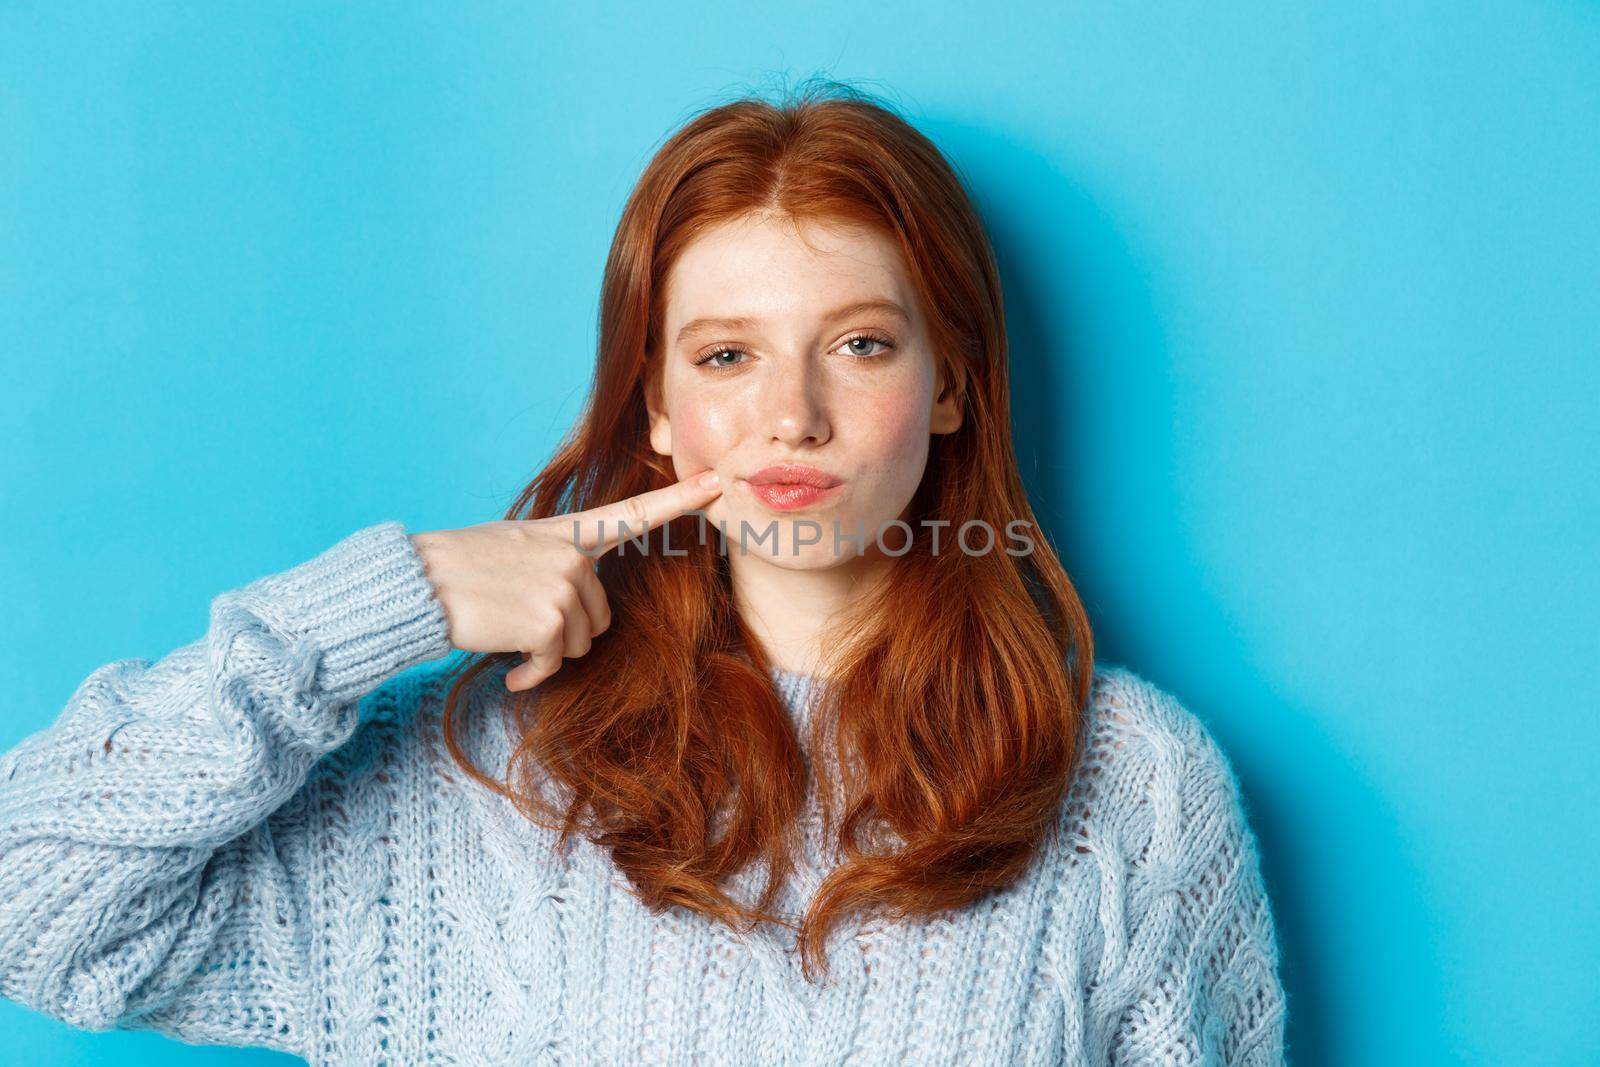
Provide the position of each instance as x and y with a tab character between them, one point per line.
259	840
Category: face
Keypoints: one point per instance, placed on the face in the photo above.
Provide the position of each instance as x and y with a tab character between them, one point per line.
786	346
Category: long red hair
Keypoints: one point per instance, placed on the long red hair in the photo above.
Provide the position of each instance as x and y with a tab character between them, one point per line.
952	709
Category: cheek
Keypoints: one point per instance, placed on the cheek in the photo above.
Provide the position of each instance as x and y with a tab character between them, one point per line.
899	443
701	434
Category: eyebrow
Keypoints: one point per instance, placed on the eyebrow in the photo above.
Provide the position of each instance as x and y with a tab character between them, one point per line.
743	322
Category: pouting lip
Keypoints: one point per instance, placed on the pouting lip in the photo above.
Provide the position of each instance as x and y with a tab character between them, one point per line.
793	474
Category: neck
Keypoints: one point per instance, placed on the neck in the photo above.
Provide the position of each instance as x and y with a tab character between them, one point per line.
790	610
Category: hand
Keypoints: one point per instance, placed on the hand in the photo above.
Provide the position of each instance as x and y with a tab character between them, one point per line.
529	585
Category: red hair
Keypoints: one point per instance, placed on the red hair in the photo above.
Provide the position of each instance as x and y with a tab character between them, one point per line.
953	703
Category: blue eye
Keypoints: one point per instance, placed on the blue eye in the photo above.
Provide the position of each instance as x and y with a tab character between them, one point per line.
869	338
726	350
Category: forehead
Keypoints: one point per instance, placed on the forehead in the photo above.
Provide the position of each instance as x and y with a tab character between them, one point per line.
762	265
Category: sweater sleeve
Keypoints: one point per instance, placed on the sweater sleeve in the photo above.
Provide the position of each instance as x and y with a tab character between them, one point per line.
1213	993
143	878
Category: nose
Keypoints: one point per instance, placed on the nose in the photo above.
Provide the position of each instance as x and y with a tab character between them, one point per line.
794	405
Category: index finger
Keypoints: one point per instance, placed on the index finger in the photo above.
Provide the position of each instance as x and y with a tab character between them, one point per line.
599	530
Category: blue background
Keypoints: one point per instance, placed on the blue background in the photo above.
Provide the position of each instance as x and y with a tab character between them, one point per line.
1304	310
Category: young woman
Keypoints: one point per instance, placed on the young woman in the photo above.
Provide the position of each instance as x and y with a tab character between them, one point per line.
810	764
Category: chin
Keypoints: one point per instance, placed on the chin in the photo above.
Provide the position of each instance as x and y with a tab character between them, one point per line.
809	558
779	546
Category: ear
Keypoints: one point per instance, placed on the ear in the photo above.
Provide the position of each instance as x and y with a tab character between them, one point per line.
660	425
947	405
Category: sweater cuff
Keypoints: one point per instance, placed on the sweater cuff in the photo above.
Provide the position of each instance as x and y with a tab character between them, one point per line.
366	605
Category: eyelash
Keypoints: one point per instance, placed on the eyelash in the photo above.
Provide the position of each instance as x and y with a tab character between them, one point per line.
864	335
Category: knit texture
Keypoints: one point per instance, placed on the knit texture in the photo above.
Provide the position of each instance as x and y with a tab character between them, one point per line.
259	839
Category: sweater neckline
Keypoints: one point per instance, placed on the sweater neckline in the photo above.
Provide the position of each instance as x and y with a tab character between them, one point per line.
796	690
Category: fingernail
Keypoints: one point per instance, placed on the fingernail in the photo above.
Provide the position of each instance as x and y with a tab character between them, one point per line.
709	480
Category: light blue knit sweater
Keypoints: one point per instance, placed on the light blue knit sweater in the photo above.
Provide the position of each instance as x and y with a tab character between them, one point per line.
259	840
